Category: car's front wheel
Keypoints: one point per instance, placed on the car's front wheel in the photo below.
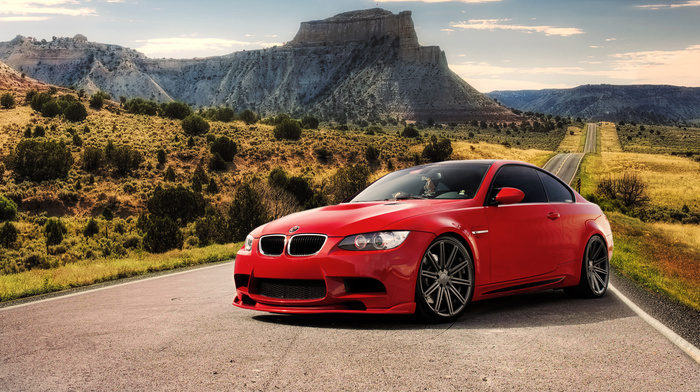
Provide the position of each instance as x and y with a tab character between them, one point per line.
445	281
595	271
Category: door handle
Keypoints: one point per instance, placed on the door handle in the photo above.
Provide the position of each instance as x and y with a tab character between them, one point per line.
553	215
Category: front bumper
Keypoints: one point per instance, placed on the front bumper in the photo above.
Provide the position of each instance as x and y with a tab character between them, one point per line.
332	281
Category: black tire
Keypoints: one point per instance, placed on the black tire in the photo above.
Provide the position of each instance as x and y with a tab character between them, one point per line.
445	282
595	271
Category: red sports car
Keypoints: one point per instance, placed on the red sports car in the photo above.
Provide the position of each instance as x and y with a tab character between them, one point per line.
429	240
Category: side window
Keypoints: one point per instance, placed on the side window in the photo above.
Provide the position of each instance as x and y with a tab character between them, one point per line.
556	191
519	177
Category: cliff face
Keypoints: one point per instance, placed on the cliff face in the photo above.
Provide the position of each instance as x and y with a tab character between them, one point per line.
355	65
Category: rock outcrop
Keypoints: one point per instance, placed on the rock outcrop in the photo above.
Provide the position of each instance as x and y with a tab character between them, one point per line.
356	65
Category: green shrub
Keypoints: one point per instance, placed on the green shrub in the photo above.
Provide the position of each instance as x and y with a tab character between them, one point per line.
437	150
195	124
224	147
141	106
125	159
161	156
309	122
50	109
169	174
246	212
7	100
347	181
410	132
92	159
8	209
39	131
40	160
288	129
199	178
212	228
177	203
162	235
97	101
217	163
372	154
54	229
8	234
75	112
249	117
91	228
38	100
176	110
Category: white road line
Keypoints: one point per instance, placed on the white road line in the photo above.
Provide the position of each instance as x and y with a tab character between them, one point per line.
89	291
562	164
692	351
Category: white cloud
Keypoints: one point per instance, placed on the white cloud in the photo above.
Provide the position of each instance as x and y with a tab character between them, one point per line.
494	24
45	7
186	47
677	67
23	18
438	1
610	39
691	3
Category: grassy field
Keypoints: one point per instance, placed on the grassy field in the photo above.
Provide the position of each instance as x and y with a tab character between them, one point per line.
663	257
573	140
661	139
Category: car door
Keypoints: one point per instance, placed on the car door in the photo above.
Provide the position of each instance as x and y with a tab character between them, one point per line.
562	198
525	237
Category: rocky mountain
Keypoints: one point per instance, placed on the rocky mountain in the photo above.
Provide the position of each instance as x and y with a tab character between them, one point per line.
641	103
356	65
11	80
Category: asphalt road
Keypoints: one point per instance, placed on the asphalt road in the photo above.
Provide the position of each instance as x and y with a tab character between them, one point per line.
180	332
565	165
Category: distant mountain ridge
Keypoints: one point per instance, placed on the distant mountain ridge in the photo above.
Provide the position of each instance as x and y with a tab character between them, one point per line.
356	65
661	104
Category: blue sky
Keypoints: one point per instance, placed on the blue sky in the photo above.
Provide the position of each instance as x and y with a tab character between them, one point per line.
492	44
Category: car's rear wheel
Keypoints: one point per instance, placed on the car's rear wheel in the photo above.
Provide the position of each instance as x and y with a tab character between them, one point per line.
445	281
595	271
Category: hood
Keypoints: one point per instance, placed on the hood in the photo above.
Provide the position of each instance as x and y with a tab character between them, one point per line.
353	218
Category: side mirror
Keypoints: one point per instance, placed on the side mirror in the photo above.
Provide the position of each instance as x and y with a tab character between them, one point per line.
509	196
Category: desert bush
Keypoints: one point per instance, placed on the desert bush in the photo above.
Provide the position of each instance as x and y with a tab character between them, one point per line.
323	154
125	159
213	187
288	129
246	212
75	112
92	159
249	117
91	228
8	209
54	229
39	131
132	242
199	178
77	140
297	186
40	160
50	109
161	156
176	110
224	147
177	203
217	163
347	181
141	106
195	124
8	234
410	132
169	174
629	189
437	149
371	154
38	100
7	100
162	235
97	101
309	122
212	228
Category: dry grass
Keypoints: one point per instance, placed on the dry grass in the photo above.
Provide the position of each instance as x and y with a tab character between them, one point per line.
572	142
680	236
464	150
608	138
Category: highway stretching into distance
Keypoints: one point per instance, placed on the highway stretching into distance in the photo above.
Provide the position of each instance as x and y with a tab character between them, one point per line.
565	165
179	331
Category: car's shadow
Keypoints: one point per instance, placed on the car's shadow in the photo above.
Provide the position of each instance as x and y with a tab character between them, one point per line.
548	308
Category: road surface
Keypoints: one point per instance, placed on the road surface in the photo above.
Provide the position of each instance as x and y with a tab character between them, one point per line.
565	165
180	332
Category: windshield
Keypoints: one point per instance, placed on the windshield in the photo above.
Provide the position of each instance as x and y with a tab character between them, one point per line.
459	180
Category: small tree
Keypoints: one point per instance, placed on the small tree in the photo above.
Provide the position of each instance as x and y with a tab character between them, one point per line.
217	163
8	234
199	178
195	124
162	235
96	101
288	129
7	100
249	117
247	212
309	122
161	156
8	209
410	132
92	158
177	203
437	150
176	110
91	228
40	160
225	147
169	174
372	154
54	229
347	181
75	112
50	109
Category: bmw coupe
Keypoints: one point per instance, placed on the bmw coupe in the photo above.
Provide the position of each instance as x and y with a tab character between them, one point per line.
429	240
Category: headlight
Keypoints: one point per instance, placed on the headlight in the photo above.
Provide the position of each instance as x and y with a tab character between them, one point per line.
380	240
248	243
